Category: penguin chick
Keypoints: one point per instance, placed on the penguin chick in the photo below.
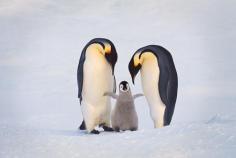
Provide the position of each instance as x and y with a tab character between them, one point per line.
124	116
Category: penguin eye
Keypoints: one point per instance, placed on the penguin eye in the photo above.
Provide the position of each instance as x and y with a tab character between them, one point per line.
121	86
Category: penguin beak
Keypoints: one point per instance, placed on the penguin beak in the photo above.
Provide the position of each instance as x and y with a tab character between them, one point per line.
111	57
133	70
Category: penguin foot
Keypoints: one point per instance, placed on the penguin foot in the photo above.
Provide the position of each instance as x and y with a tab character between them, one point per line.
95	131
108	129
133	129
82	126
117	129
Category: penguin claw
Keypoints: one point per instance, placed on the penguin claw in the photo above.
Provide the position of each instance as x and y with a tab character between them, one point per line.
95	131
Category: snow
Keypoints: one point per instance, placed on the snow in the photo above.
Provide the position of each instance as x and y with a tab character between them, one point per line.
213	138
40	46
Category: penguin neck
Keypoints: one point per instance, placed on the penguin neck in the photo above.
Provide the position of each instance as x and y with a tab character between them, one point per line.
93	53
147	57
150	78
96	59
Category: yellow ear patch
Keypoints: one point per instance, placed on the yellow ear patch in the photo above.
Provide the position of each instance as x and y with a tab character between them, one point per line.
136	59
107	48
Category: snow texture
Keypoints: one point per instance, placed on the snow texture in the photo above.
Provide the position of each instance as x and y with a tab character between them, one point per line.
214	138
40	46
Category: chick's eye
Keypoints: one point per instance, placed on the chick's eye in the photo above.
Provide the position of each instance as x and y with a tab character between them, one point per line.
121	86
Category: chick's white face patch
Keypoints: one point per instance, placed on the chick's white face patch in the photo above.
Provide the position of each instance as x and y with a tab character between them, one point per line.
127	87
124	88
121	87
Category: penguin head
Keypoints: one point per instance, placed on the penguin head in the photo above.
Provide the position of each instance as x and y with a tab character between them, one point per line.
135	65
137	60
110	54
106	48
124	86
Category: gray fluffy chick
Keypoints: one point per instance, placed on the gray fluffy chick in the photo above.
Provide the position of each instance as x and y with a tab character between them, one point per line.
124	116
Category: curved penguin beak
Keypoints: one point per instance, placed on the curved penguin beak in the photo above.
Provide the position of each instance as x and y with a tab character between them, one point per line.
111	58
133	69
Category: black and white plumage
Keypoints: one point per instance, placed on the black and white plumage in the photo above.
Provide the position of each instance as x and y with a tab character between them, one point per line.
95	76
159	81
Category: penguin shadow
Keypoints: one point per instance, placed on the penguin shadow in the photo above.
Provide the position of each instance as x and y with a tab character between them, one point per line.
64	132
75	132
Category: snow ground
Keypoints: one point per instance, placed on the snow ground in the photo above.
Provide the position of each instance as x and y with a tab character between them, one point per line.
214	138
40	45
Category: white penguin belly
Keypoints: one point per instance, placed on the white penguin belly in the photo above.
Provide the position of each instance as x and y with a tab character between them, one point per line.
97	80
150	74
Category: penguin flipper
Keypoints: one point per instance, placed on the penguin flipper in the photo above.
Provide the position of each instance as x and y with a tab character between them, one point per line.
168	81
114	84
113	95
172	89
163	86
80	74
137	95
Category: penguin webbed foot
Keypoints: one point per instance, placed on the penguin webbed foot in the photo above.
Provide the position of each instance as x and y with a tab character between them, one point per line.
133	129
94	131
107	129
117	129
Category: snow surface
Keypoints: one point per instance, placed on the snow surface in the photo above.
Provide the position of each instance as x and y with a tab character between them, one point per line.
40	46
213	138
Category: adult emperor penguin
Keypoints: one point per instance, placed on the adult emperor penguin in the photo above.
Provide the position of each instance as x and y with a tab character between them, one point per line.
95	76
159	81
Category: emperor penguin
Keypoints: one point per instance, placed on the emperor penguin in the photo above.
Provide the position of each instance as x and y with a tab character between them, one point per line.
159	81
95	76
124	116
